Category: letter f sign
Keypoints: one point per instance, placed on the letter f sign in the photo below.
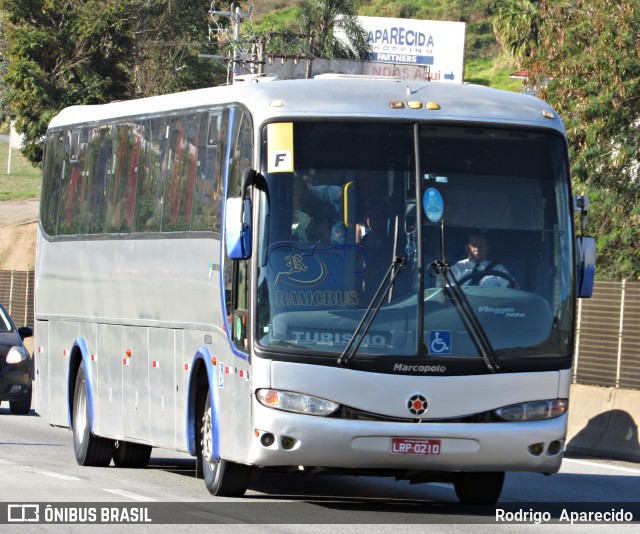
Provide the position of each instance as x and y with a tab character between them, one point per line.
280	147
281	162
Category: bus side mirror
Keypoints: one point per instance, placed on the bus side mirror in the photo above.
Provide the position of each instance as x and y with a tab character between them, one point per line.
585	265
238	228
585	251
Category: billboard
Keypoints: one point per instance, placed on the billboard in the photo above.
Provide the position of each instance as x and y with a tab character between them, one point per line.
432	45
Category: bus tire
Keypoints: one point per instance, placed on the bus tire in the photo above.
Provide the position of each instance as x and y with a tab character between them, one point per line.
222	478
479	488
127	454
89	449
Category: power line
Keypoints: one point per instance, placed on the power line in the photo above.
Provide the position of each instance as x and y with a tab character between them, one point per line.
236	17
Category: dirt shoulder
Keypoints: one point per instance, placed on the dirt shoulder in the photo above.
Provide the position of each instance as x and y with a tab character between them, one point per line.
18	229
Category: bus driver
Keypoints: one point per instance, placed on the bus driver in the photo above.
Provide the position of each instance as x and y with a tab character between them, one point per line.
477	249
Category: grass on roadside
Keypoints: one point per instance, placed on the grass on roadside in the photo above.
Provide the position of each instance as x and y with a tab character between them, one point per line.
24	180
483	71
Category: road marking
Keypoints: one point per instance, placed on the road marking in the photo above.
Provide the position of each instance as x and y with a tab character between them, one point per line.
7	462
603	466
56	475
130	495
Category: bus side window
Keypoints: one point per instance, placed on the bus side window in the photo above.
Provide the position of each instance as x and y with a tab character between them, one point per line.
98	176
236	271
127	145
179	187
240	315
240	154
70	198
150	186
206	214
53	171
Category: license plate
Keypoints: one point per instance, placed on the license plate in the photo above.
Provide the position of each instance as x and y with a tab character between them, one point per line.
415	446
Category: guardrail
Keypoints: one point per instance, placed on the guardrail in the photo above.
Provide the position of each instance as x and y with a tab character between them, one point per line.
608	337
16	295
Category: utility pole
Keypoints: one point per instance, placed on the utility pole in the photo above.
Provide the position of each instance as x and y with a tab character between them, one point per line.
236	17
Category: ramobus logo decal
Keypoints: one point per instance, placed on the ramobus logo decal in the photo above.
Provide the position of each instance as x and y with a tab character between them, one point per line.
404	368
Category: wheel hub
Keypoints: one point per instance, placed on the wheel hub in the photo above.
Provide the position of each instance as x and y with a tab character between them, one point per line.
207	439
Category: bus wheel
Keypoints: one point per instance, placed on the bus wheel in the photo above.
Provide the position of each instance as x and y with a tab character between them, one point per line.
89	449
222	478
479	488
127	454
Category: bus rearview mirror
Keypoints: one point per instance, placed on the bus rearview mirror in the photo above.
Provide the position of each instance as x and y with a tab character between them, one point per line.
585	265
238	228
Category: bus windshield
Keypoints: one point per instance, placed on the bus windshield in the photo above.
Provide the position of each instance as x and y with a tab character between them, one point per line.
345	199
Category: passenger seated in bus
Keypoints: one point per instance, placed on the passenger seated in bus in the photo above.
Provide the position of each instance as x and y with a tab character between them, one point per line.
332	195
468	272
312	217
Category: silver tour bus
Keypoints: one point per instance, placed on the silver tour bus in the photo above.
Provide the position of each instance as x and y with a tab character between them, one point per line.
265	276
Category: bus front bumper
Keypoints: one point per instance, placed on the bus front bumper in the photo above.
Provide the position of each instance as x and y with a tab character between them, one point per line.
284	439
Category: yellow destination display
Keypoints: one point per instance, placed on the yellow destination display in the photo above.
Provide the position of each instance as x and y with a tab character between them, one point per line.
280	147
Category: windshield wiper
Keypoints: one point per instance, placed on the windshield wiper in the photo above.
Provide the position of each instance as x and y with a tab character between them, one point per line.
386	285
469	318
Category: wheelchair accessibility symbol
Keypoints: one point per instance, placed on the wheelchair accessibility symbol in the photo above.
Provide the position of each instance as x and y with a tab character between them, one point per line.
439	341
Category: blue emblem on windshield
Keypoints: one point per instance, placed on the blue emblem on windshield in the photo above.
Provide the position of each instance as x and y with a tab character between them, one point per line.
433	204
439	342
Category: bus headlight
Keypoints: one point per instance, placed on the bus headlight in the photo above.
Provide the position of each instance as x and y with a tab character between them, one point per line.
17	355
295	402
534	410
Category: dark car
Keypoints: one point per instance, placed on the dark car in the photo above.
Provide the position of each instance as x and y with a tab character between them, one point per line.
16	365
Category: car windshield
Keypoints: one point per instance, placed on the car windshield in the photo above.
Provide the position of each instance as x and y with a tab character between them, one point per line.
343	204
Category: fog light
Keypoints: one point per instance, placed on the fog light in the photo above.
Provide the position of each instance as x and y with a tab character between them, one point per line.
267	439
288	443
554	447
536	449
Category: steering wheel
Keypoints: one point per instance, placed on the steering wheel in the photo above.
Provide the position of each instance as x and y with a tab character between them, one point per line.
490	272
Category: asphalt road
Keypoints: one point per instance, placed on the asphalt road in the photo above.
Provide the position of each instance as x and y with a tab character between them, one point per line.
14	212
37	465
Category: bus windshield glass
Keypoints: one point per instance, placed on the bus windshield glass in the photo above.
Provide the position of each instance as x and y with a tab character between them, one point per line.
345	199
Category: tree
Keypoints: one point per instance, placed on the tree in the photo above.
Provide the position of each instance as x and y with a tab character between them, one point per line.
70	52
3	70
589	51
64	53
170	35
516	24
323	19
